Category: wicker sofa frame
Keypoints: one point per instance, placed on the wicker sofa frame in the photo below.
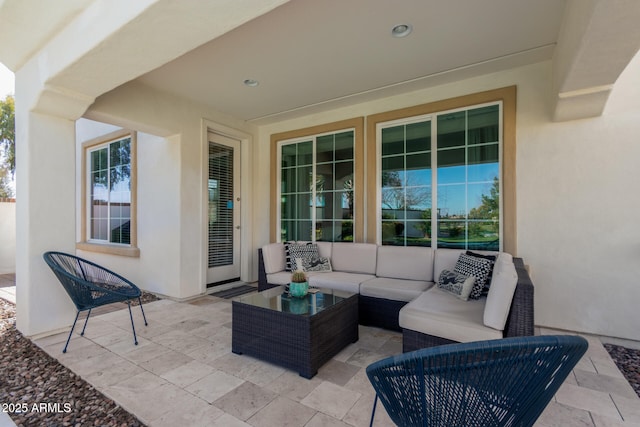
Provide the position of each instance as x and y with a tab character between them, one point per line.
384	313
519	322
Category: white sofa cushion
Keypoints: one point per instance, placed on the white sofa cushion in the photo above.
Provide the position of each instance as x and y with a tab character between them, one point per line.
325	249
354	257
445	259
405	262
394	289
504	262
342	281
500	296
279	278
284	277
274	258
439	313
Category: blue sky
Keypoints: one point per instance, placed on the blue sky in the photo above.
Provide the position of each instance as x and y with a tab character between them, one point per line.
7	81
452	191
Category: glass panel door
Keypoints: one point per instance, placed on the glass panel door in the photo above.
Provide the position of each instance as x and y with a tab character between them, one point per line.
223	211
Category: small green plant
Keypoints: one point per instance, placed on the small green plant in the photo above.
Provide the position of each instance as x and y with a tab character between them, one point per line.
298	277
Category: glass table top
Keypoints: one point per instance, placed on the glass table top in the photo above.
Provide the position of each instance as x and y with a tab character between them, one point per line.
278	299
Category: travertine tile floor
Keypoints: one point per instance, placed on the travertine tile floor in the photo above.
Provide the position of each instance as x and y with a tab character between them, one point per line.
184	373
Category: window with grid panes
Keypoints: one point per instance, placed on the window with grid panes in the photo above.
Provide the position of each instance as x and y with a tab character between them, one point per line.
317	188
440	180
109	210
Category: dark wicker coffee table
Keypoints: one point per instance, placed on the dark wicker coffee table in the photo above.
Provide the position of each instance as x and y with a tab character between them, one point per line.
297	333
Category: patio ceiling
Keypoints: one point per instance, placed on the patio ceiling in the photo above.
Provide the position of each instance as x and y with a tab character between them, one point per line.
309	55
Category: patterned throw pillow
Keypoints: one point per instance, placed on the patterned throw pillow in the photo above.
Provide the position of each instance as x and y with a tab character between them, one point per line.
456	284
309	256
293	250
288	266
313	264
491	258
472	266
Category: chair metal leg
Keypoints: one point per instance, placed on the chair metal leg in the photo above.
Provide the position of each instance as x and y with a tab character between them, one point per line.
71	332
141	309
85	323
373	413
135	338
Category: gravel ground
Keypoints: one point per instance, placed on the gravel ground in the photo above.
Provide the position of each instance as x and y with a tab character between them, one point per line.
36	390
39	391
628	362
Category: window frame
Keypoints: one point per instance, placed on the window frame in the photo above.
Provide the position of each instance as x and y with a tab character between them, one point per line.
277	140
434	151
507	96
86	243
313	139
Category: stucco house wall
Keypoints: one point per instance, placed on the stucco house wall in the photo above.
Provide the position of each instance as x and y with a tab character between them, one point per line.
575	205
578	207
7	236
171	193
158	237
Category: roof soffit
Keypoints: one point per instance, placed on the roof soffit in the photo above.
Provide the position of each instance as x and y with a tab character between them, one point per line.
597	41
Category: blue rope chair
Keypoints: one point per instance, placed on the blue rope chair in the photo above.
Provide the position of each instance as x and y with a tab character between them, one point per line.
505	382
90	285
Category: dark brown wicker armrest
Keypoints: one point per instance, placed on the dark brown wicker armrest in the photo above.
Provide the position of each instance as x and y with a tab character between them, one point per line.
520	320
262	274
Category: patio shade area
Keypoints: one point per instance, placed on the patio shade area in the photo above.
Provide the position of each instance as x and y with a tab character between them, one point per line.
184	373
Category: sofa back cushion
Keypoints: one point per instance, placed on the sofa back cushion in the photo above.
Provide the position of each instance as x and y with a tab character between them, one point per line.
504	262
405	262
445	259
274	257
325	249
354	257
500	296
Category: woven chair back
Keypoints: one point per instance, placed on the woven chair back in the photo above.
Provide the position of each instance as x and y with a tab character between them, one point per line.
506	382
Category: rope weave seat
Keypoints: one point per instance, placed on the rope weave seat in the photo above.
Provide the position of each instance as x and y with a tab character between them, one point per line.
504	382
90	285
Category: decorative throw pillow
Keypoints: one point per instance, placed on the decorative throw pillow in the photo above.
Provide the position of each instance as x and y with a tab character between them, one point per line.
313	264
491	258
300	250
477	267
288	266
456	284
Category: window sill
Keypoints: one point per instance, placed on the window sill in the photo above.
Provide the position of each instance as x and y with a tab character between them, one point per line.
129	251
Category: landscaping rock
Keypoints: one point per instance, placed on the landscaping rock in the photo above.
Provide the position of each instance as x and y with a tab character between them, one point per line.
628	361
38	391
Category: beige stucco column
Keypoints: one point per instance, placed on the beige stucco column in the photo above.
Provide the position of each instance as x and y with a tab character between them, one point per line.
45	217
87	50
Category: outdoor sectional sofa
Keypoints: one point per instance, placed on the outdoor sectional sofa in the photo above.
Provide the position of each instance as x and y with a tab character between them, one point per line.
397	291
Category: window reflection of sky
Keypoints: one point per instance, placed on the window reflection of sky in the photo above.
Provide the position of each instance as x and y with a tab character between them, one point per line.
121	192
460	188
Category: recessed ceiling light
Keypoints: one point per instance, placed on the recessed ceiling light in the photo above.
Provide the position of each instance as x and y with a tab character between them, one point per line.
251	83
401	30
